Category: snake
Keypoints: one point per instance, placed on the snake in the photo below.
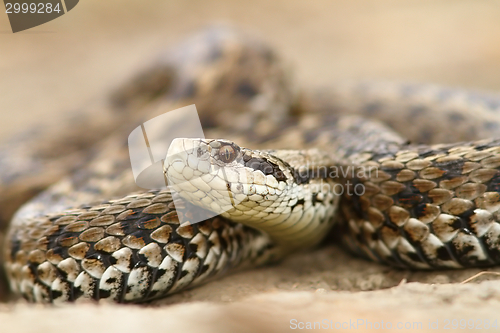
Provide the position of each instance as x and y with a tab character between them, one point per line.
282	168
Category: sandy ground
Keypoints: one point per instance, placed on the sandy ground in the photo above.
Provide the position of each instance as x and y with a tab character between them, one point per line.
80	56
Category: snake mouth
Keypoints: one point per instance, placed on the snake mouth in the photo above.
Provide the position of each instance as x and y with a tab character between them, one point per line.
208	173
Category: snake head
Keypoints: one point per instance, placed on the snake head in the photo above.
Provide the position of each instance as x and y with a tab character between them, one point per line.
223	177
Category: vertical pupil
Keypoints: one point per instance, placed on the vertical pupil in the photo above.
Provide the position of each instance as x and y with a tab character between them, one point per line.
226	154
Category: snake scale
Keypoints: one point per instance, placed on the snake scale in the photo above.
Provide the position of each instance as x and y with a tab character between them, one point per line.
326	159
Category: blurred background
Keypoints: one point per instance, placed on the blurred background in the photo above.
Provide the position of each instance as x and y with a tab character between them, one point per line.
80	56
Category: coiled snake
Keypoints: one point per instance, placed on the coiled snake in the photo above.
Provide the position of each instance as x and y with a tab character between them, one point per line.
329	159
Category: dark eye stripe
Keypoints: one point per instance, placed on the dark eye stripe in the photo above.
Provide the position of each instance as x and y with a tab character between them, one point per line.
267	167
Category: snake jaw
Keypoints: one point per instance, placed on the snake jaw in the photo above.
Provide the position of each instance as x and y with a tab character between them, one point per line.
224	178
204	171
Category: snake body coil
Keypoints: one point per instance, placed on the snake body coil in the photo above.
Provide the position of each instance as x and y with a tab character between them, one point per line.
408	205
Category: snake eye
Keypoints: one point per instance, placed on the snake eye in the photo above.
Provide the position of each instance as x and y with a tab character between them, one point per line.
227	154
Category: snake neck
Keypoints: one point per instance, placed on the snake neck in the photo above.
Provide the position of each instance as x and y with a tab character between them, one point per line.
288	194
